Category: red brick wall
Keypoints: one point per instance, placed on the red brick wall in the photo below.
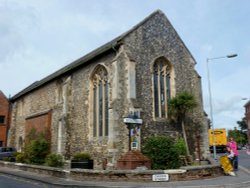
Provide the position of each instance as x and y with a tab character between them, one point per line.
4	111
3	135
41	122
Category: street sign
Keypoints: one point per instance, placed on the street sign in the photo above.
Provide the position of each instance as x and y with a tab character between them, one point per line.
160	177
131	120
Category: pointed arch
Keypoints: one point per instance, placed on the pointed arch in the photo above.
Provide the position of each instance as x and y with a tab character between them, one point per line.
100	100
162	78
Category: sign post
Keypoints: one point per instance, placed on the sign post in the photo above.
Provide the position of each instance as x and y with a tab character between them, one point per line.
133	123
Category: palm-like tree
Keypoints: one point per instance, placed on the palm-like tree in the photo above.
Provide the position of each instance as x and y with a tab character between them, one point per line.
178	108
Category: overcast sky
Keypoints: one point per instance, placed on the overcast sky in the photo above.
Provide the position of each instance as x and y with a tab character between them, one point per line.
38	37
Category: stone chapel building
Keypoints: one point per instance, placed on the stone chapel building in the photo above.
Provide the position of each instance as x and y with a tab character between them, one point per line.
84	104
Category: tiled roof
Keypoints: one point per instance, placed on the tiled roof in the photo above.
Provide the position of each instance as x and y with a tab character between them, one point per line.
83	60
77	63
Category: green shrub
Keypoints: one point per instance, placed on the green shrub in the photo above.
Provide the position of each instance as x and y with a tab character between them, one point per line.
54	160
6	159
37	150
181	147
20	157
162	152
37	147
81	156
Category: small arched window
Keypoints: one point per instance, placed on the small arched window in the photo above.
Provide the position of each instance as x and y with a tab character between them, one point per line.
100	102
161	86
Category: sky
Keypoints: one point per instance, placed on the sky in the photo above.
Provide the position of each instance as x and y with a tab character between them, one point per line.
38	37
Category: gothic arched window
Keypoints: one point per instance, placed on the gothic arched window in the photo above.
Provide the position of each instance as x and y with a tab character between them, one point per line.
161	85
100	102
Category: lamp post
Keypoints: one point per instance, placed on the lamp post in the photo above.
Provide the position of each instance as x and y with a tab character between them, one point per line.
210	97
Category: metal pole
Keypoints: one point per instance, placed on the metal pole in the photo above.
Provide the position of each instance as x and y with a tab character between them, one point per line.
211	110
210	98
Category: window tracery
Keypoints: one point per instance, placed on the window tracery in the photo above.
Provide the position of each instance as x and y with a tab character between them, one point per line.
161	85
100	102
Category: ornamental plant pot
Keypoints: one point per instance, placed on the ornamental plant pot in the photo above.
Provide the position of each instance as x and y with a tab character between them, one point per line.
82	160
84	164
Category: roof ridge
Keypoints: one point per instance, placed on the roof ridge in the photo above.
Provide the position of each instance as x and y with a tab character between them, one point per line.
158	11
2	93
94	53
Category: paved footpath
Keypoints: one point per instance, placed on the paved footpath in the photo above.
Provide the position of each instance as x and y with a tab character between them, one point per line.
241	180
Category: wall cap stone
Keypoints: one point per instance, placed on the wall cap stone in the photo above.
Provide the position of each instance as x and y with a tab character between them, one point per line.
185	173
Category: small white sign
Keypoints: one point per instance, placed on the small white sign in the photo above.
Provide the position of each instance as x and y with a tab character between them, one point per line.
131	120
160	177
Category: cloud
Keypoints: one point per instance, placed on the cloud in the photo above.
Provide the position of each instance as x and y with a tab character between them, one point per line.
39	37
16	21
227	112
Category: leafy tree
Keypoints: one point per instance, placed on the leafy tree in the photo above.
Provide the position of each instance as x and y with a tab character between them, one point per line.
242	124
239	136
179	106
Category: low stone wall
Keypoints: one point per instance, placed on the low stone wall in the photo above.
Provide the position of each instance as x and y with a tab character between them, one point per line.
185	173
